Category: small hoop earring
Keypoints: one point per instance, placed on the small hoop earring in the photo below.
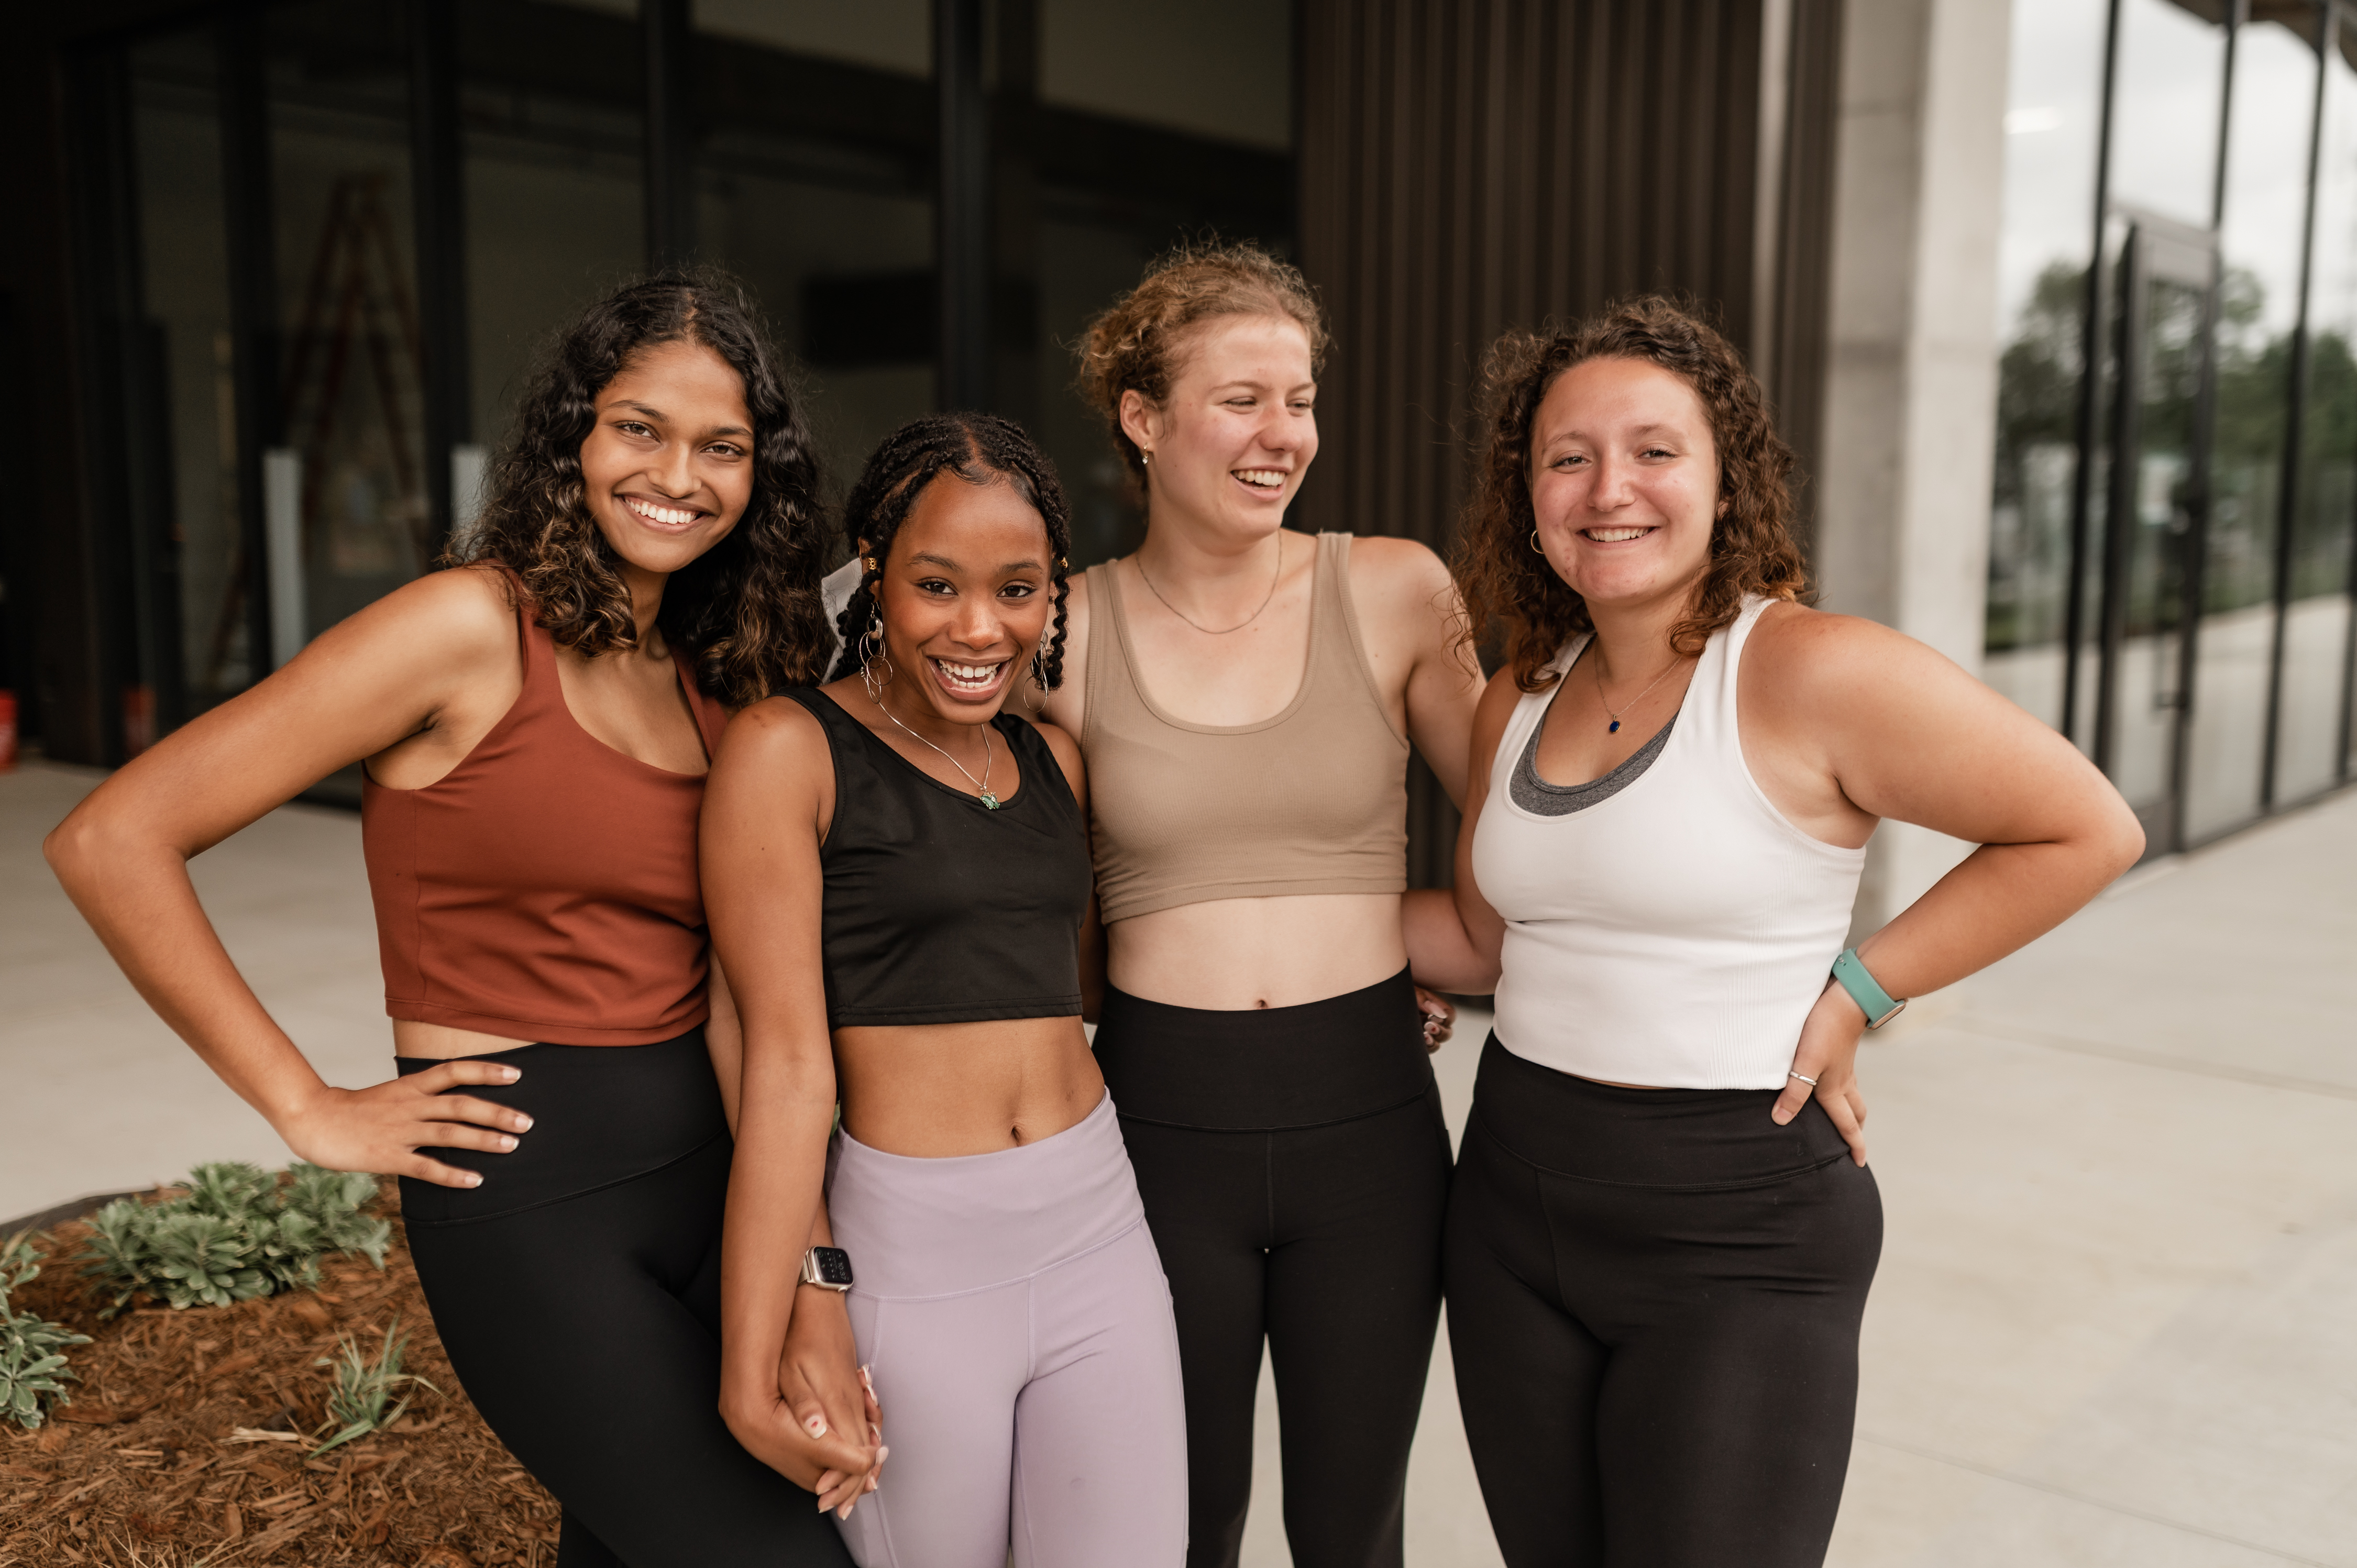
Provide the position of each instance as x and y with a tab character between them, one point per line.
1036	698
1535	546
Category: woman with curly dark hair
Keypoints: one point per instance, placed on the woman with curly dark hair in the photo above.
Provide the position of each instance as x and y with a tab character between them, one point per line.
1663	1229
536	726
899	872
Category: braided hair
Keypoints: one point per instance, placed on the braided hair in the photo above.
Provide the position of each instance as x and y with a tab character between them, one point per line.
980	449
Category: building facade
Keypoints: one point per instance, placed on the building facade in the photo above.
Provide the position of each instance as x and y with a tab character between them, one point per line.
2055	299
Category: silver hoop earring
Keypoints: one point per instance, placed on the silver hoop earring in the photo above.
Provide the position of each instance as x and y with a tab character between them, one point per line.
1535	546
872	653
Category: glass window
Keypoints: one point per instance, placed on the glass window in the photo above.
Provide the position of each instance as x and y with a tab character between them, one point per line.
344	493
2171	69
551	99
175	132
2053	109
815	185
2312	718
2265	212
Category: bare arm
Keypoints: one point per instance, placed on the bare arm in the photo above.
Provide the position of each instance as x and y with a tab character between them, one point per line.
1410	616
1092	936
424	663
1454	937
765	811
1890	729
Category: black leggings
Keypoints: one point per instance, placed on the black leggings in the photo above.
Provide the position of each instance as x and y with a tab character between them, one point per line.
1324	1238
577	1291
1653	1305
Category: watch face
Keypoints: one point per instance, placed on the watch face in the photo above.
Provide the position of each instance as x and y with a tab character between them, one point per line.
833	1266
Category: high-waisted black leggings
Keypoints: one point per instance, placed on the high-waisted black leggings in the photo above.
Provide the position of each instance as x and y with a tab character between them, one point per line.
577	1291
1653	1305
1318	1230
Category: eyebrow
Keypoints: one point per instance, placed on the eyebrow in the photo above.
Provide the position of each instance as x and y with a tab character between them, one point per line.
944	561
654	412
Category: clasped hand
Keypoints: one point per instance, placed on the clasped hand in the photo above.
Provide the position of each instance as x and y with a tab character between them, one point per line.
822	1428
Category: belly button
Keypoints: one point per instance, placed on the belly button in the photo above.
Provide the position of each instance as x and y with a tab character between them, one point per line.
1262	1002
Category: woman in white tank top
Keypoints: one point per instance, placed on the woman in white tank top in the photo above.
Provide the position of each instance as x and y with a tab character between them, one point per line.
1662	1230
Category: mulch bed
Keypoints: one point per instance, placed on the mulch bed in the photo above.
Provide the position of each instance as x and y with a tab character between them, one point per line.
140	1471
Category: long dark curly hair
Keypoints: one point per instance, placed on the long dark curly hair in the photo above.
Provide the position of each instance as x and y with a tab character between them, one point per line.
980	449
1751	546
747	610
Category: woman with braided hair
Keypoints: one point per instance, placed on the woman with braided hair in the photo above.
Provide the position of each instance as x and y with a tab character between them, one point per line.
899	883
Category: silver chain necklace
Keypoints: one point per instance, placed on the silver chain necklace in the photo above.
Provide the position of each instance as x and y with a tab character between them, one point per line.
982	785
1139	562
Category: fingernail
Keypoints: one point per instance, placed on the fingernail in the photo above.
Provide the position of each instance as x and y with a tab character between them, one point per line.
882	1454
817	1426
523	1123
506	1143
473	1179
843	1512
510	1074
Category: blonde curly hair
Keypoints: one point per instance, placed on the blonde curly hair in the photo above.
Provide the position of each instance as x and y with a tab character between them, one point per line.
1136	343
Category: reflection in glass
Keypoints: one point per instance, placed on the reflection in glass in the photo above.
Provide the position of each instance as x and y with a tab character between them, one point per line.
2148	551
2054	103
176	132
830	223
2312	717
2258	307
345	494
2165	110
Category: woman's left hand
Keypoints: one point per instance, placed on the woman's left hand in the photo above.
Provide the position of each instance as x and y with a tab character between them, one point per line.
1828	1053
1439	1017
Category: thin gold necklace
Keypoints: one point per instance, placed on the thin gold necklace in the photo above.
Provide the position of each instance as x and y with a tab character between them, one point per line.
1614	727
1139	561
981	785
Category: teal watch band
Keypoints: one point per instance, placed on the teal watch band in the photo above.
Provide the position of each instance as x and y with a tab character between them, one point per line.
1865	991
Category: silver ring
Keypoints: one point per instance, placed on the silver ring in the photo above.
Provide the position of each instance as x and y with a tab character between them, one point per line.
1804	1077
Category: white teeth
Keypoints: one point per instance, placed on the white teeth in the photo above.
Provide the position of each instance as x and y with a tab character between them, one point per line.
655	514
1615	535
968	675
1267	478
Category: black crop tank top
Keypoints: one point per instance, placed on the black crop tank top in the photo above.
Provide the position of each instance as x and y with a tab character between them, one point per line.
937	909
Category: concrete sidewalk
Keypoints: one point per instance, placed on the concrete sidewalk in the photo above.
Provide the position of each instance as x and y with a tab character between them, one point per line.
2114	1322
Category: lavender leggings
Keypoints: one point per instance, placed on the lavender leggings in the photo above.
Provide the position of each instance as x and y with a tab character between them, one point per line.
1015	1316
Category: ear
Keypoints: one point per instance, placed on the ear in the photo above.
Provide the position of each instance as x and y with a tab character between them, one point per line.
1140	419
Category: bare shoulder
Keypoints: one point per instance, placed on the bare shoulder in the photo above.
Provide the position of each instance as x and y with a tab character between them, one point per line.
773	731
1499	697
466	613
1803	661
1406	569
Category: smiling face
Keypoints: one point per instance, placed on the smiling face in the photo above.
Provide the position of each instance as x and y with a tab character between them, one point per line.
1230	445
1624	482
667	469
965	595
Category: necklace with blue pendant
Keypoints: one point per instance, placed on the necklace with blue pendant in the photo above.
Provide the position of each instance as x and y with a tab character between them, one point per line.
1614	727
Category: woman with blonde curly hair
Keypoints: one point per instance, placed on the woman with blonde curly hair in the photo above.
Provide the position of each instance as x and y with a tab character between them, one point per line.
1246	696
1663	1226
534	726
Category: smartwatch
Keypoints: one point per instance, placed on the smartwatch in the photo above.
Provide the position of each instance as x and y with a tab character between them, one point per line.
829	1268
1865	991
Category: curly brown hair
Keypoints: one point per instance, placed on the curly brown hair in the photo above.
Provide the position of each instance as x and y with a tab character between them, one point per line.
1136	343
1751	546
748	610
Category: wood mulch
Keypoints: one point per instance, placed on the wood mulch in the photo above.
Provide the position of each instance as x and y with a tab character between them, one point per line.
140	1470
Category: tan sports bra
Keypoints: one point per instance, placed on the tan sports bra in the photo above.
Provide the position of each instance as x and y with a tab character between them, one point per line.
1312	801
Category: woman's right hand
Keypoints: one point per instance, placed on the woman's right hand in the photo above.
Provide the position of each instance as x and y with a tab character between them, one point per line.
819	1379
381	1128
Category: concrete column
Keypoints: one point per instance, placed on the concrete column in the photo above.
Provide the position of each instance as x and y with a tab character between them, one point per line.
1910	393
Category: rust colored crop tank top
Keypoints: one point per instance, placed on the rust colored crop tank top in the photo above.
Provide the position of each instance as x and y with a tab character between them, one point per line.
1312	801
545	889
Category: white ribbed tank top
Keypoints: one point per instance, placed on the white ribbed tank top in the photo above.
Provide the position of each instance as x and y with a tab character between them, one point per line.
1674	934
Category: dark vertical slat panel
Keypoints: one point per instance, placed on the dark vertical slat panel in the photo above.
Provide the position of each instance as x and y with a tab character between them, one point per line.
1468	166
671	90
252	230
962	206
1804	243
438	174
